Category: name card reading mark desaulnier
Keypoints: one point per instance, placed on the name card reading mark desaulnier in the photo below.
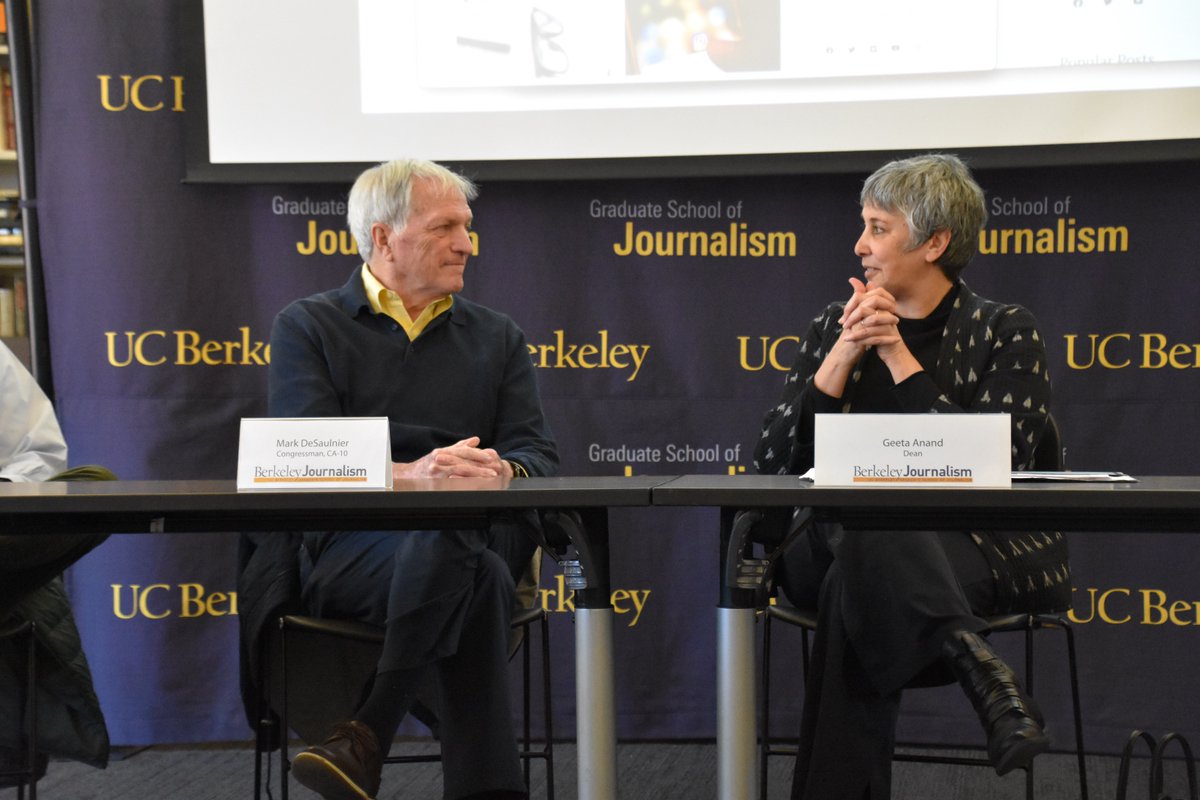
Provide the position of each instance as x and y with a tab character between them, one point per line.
315	453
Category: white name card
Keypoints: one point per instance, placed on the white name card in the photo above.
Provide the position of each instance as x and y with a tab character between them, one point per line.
943	450
315	453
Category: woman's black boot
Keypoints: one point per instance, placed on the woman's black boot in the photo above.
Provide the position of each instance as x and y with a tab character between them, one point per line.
1011	720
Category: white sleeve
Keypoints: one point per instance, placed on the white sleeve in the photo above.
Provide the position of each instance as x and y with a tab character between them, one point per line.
32	447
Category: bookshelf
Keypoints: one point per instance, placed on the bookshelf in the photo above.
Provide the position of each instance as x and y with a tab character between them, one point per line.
14	293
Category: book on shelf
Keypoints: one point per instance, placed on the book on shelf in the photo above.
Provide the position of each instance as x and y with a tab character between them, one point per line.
8	130
12	238
14	304
8	313
20	307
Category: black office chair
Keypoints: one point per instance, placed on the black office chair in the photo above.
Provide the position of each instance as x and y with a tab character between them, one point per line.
16	627
351	650
29	770
1048	457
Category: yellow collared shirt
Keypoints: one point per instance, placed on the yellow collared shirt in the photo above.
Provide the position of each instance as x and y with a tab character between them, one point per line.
384	301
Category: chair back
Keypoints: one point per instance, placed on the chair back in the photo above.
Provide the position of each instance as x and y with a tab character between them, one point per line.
1050	455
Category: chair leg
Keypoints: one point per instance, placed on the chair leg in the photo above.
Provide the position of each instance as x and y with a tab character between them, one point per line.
764	744
1029	689
265	718
1049	621
525	659
527	752
547	751
31	709
1079	752
546	710
283	714
259	735
30	715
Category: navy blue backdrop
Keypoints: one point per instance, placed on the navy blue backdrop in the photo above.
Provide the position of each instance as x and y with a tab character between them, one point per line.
161	296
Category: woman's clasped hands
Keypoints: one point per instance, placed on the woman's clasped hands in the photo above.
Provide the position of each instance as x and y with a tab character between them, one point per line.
869	319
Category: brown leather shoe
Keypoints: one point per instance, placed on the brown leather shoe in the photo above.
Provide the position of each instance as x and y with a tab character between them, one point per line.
346	766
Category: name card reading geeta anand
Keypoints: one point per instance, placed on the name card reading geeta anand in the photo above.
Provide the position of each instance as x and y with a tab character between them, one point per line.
315	453
944	450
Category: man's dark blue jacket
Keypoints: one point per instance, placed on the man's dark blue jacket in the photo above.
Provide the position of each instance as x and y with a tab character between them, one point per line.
468	374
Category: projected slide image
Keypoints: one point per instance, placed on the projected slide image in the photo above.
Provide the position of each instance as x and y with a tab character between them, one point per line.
516	43
481	43
483	80
701	37
501	54
1072	33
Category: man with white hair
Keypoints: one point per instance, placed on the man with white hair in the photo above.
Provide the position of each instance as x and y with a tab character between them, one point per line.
457	385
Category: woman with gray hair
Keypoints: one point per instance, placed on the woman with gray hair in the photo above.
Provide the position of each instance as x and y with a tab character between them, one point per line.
898	609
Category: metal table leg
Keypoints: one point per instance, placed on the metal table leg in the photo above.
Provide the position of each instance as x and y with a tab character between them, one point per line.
741	580
596	732
737	777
